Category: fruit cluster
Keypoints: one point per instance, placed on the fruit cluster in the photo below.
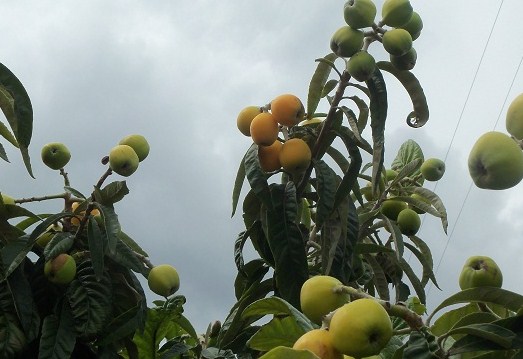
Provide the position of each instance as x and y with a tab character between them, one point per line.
264	124
399	27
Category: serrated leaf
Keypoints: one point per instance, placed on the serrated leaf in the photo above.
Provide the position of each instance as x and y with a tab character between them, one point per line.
318	81
58	335
326	190
414	280
350	177
420	346
427	268
378	111
287	243
96	247
288	353
89	299
427	255
503	297
420	115
363	116
19	112
408	152
61	242
279	331
437	203
111	225
126	257
112	193
256	176
379	278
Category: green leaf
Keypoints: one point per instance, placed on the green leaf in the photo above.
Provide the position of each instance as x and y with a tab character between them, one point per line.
112	193
287	243
12	339
503	297
74	192
449	319
489	331
420	115
251	272
326	189
238	184
3	154
379	278
279	331
378	113
278	307
90	300
96	247
131	243
58	335
111	224
288	353
421	345
125	256
329	86
408	152
427	257
436	202
414	280
364	112
339	158
318	81
366	248
4	131
427	267
19	111
61	242
256	176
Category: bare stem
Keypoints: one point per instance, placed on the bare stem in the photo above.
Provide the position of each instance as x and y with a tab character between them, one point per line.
42	198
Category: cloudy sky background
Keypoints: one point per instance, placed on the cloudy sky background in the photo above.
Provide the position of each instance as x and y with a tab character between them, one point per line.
178	72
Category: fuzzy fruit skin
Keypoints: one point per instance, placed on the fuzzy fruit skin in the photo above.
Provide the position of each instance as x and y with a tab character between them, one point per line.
269	156
6	199
480	271
287	110
391	208
319	342
360	14
432	169
318	299
244	119
397	42
409	222
514	117
123	160
495	161
361	65
138	143
406	61
55	155
414	25
346	41
360	328
61	269
163	280
264	129
396	13
295	155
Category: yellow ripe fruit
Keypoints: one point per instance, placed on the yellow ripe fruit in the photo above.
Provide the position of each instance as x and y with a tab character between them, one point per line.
269	156
318	341
288	110
318	297
75	221
264	129
295	155
245	118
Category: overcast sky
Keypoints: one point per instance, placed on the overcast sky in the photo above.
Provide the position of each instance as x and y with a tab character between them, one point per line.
178	72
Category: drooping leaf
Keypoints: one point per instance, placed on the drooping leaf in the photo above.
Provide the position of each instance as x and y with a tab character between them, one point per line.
3	154
378	113
251	272
436	202
111	225
238	184
420	115
126	257
287	243
96	247
61	242
131	243
427	269
326	190
256	176
379	278
414	280
318	81
350	177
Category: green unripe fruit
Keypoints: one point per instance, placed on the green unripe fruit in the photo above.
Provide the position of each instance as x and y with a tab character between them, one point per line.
361	65
61	269
414	25
346	41
6	199
480	271
360	14
390	174
55	155
138	143
397	42
496	161
46	237
163	280
391	208
432	169
123	160
406	61
514	117
409	222
318	297
396	13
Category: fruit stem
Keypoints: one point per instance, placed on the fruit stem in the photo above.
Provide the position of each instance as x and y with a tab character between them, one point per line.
413	320
42	198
